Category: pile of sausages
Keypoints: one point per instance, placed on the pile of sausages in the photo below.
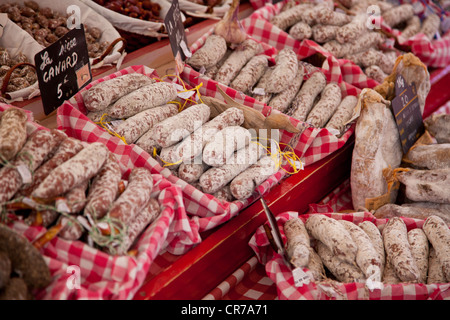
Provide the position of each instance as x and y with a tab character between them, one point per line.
386	254
22	76
214	154
344	35
133	103
73	185
403	18
219	156
425	178
289	86
46	26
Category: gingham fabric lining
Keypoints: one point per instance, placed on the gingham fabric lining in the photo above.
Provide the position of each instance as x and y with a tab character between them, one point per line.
313	144
249	282
281	275
205	211
102	276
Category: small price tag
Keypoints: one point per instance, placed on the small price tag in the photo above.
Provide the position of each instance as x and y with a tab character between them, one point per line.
25	173
63	69
61	206
177	35
407	113
300	277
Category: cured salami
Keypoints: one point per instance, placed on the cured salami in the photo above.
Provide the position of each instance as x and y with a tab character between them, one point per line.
138	224
304	100
210	53
107	92
135	196
84	165
250	73
13	133
193	145
245	183
174	129
237	60
104	188
135	126
216	178
146	97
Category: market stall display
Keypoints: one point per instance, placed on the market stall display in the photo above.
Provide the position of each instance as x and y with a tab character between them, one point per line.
206	183
241	72
142	165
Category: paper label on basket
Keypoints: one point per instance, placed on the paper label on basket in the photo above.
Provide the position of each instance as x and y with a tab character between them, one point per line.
63	69
25	173
3	21
259	91
300	277
375	273
116	123
186	94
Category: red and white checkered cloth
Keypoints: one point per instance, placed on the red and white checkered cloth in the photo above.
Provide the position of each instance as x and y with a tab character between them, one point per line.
205	211
313	144
248	282
279	272
100	275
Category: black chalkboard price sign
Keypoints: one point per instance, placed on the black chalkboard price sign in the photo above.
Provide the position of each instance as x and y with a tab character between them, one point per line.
63	69
407	113
177	35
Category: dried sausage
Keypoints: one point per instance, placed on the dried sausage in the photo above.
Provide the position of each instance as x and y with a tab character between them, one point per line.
281	101
104	188
326	106
284	72
427	185
84	165
398	250
135	126
438	234
107	92
224	143
250	73
245	183
210	53
13	133
237	60
135	196
304	100
193	145
174	129
146	97
333	235
216	178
